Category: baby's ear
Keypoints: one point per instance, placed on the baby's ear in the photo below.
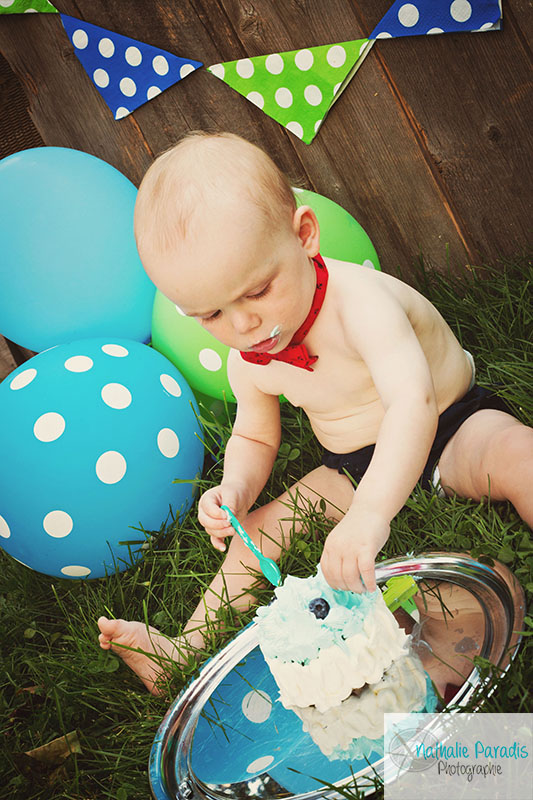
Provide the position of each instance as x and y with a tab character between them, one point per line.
307	229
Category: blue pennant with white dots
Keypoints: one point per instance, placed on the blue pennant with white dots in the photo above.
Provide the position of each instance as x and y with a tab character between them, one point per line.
126	72
438	16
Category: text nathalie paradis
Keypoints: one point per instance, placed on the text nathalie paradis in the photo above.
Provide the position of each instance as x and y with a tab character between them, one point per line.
457	750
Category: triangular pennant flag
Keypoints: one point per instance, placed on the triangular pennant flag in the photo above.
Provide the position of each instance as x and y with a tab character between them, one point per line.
27	7
438	16
296	88
126	72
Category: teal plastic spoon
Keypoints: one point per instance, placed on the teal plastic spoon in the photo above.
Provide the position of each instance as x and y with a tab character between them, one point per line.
269	568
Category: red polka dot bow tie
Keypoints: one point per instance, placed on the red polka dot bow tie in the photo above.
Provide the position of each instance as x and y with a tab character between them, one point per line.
296	353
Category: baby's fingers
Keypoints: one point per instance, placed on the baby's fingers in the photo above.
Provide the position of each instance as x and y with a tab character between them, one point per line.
368	571
218	543
350	575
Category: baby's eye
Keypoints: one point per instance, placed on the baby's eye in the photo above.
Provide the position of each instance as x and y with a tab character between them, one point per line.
213	316
262	293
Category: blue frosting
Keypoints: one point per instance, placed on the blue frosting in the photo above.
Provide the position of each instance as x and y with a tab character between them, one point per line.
288	630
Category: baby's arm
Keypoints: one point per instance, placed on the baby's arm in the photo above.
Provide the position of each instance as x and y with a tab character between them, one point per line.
249	457
385	339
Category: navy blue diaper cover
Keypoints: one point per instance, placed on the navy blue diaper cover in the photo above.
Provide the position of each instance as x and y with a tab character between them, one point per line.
477	398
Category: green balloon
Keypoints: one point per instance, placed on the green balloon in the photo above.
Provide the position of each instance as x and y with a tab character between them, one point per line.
200	357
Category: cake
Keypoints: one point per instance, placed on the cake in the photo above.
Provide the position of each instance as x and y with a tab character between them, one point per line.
340	661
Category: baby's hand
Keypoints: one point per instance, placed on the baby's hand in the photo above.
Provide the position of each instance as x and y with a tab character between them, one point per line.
351	549
211	516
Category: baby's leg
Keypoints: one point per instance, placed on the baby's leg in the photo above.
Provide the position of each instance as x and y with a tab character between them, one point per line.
491	455
271	527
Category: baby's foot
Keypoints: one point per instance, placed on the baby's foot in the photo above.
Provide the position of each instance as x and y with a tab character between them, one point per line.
118	635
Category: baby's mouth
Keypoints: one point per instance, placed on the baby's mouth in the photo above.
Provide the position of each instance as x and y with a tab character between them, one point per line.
268	344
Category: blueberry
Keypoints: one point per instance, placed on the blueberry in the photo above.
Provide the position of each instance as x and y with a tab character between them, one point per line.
319	607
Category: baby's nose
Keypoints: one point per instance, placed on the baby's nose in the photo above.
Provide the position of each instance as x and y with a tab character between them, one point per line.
244	321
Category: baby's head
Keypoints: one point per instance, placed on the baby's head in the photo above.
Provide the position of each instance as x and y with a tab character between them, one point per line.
218	230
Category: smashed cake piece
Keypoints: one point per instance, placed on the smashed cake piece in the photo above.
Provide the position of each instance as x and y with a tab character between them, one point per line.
340	661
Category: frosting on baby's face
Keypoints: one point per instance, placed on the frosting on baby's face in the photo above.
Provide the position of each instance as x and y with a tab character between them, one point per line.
309	616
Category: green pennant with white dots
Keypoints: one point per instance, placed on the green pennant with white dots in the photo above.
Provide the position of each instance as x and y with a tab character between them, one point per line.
27	7
296	88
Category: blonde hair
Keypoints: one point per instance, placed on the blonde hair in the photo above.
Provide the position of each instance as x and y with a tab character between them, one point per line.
178	185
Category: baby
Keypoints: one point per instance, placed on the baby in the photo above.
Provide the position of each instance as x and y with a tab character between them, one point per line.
387	388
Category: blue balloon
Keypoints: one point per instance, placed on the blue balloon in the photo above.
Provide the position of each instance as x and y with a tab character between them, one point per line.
96	431
69	266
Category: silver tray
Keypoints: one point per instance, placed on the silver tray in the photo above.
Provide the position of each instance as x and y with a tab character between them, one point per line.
226	737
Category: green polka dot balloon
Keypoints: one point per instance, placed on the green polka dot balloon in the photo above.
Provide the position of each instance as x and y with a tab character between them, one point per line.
298	87
200	357
27	7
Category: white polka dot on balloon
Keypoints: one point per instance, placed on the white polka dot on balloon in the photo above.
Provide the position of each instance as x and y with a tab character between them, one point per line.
152	92
304	59
115	395
111	467
106	47
432	31
244	67
5	530
313	95
115	350
79	363
336	56
461	10
170	385
168	442
133	56
76	571
318	123
408	15
274	64
58	524
6	3
486	26
128	87
295	128
218	70
185	70
257	706
260	764
121	112
210	359
384	35
256	98
283	97
80	39
101	78
23	379
160	65
49	427
179	310
368	263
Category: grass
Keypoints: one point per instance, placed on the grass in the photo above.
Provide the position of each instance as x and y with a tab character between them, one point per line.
55	679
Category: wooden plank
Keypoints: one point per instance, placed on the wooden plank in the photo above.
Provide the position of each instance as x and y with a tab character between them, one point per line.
378	153
468	98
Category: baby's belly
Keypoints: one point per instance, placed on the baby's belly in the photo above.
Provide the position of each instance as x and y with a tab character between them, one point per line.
350	432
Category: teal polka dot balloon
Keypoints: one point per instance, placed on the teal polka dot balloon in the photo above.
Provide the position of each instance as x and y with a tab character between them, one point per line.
97	431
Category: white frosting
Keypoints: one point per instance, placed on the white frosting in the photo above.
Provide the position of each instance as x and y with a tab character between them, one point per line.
401	689
329	678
